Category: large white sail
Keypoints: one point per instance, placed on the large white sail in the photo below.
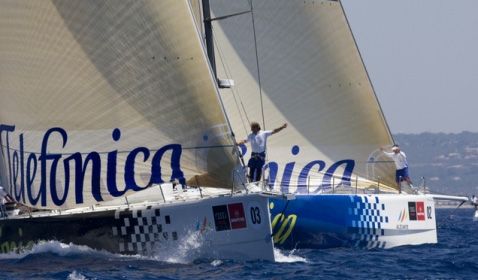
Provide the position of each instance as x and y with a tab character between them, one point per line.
99	99
308	73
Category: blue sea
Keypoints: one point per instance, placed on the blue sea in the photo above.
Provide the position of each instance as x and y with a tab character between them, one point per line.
455	256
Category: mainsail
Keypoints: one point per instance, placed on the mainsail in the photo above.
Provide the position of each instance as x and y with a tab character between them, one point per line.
296	61
103	98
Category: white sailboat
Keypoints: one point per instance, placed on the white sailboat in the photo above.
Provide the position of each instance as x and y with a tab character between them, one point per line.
297	62
107	108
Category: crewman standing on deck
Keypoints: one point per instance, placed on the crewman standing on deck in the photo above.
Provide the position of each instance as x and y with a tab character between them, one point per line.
258	140
401	164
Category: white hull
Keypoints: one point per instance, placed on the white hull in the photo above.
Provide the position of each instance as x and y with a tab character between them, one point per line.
372	221
225	227
402	228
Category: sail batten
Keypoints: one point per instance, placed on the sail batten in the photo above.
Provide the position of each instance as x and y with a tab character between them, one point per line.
100	99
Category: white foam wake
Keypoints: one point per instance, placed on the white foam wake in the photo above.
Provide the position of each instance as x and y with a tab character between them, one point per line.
287	258
76	276
54	247
216	263
185	251
189	249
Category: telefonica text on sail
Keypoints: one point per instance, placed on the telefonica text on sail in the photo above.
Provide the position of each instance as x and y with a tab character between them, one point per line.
24	168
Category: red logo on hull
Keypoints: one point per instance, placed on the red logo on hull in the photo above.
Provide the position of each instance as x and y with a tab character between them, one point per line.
236	214
420	211
416	211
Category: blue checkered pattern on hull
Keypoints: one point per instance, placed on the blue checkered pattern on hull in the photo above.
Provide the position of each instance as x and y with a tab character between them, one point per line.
366	221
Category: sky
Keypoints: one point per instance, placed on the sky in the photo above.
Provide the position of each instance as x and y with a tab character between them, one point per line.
422	58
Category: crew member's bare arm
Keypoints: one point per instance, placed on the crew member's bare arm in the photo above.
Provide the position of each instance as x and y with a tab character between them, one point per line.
279	128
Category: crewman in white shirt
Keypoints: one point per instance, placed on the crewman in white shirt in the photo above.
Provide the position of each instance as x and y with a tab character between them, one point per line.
258	140
401	164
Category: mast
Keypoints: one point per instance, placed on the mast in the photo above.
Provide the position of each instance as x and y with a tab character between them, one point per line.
209	37
206	8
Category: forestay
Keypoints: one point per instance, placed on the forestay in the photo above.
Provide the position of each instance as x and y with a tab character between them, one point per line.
103	98
312	77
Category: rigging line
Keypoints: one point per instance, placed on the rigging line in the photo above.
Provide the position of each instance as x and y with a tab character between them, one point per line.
257	63
228	16
453	212
229	75
221	102
119	152
234	93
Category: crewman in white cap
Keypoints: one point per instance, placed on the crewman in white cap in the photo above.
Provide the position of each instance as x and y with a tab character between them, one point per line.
401	164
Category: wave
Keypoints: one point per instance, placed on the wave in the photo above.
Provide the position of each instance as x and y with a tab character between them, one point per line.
290	257
216	263
189	250
76	276
55	247
170	253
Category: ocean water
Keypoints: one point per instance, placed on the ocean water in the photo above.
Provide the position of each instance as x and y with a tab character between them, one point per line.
455	256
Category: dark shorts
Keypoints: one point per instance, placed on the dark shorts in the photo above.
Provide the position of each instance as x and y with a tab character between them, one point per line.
403	173
257	160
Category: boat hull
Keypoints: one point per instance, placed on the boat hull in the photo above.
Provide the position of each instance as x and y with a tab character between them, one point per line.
336	220
236	227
